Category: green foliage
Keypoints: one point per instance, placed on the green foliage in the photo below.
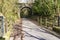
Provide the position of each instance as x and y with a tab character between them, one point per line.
0	5
56	29
9	9
47	9
2	38
43	8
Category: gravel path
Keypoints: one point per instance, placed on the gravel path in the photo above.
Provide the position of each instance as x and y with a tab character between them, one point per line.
33	32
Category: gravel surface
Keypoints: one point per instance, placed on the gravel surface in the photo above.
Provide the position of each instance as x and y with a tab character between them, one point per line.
33	32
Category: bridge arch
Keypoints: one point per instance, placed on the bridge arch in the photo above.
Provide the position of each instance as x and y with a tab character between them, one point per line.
29	13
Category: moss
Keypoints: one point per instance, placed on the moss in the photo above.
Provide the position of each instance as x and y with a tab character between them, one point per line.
56	29
2	38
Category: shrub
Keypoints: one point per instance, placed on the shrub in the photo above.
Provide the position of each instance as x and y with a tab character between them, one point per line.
56	29
2	38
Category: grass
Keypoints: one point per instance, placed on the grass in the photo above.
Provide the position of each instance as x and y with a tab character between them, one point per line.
56	29
2	38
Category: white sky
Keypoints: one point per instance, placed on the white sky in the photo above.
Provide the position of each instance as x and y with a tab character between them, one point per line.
25	1
22	1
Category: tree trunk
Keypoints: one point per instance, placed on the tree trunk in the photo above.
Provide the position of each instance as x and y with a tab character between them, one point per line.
41	20
46	21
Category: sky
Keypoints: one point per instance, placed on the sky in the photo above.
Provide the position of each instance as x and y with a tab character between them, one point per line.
24	1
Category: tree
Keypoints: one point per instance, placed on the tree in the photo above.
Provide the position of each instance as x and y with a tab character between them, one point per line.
9	10
43	8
